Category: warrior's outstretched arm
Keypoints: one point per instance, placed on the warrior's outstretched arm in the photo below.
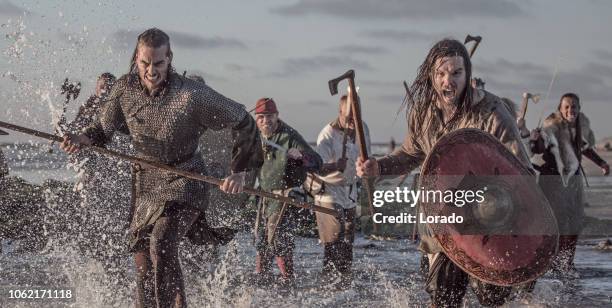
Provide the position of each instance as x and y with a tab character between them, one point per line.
216	112
401	161
404	159
594	157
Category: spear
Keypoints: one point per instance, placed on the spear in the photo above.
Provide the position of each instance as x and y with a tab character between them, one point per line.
187	174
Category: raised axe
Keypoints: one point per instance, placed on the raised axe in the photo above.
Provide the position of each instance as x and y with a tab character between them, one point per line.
70	90
359	132
476	39
173	170
526	97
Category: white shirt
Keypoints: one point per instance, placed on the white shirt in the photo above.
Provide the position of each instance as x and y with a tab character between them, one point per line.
340	187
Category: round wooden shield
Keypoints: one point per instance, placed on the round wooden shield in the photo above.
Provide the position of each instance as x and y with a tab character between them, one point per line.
507	234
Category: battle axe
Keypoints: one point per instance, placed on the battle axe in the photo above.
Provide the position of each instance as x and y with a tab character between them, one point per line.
476	40
526	96
356	109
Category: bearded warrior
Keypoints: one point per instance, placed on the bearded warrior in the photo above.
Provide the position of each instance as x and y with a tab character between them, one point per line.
165	114
443	102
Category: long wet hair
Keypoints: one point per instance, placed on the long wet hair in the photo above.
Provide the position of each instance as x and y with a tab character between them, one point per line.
577	142
423	91
154	38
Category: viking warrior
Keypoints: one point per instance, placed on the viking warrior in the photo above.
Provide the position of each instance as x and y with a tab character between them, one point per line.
287	159
336	145
565	137
443	102
165	114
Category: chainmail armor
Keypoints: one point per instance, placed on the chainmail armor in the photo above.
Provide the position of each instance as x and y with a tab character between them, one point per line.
166	129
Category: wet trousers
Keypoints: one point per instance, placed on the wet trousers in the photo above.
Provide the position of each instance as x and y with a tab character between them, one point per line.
159	281
447	284
276	240
337	236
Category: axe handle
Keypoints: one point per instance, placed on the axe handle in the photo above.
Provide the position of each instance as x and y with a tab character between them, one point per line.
363	149
473	49
524	104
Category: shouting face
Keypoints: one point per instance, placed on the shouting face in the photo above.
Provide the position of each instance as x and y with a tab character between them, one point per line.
569	109
449	79
153	64
267	123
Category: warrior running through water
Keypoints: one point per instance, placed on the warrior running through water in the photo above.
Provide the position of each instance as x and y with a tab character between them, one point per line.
565	137
165	114
445	102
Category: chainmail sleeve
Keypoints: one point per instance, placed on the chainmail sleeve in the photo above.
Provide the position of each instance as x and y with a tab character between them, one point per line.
217	112
111	117
247	153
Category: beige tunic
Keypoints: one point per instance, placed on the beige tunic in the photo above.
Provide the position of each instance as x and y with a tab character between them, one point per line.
488	113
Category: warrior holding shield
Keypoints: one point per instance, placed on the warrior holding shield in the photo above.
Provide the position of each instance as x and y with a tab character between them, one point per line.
443	106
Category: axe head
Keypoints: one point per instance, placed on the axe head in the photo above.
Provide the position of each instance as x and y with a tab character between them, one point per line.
470	38
71	89
3	133
333	84
535	98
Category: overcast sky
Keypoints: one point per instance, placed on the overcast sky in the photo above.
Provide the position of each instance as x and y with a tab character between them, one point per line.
289	49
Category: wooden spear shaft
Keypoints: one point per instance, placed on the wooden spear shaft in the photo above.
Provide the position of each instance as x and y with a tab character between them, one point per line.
187	174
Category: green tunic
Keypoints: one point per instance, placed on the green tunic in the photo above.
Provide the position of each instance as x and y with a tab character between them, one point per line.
278	171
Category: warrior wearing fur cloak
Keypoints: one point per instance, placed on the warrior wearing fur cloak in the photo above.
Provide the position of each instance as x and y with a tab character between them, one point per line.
165	114
565	137
444	102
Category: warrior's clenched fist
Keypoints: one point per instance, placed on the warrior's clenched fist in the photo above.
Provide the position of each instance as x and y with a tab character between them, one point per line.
72	143
369	168
233	184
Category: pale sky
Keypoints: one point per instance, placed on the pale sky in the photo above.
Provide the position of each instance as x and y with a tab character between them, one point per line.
289	49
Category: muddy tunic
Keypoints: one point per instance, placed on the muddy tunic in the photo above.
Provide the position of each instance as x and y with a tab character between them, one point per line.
166	129
487	113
